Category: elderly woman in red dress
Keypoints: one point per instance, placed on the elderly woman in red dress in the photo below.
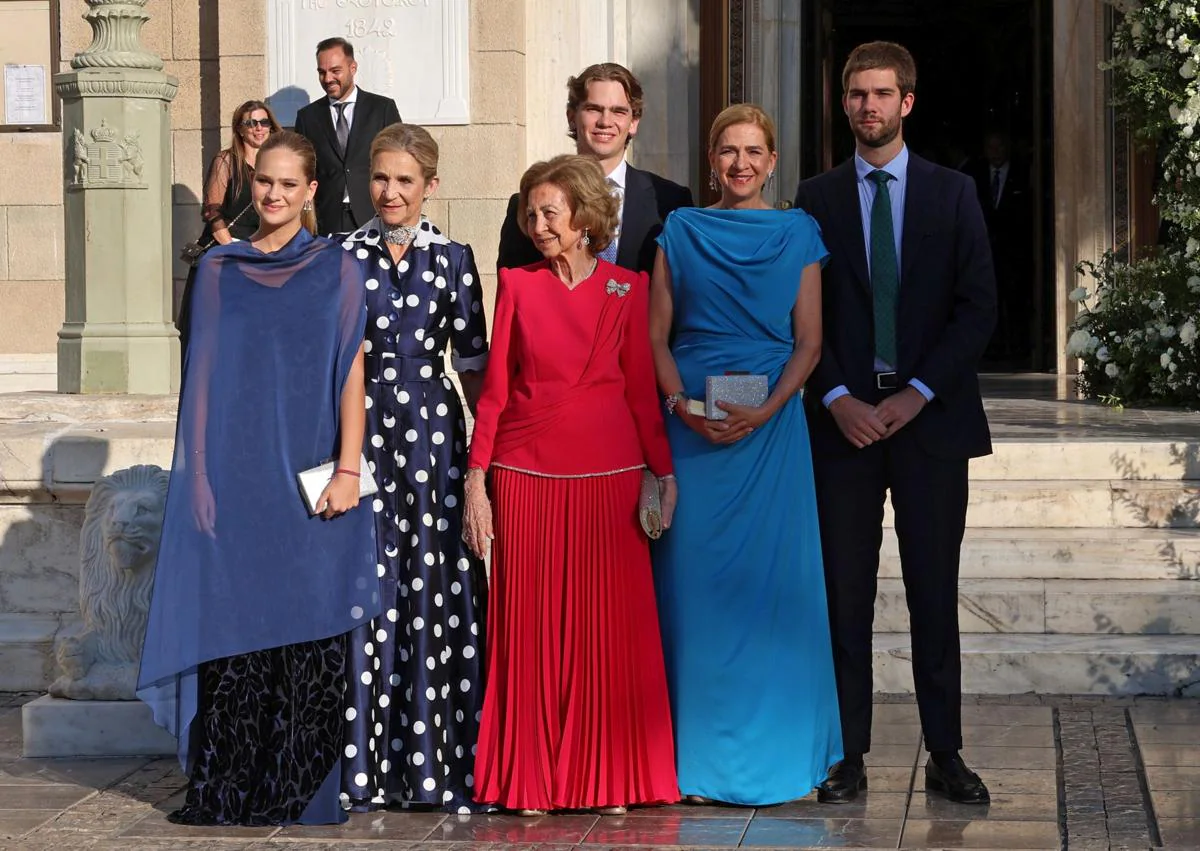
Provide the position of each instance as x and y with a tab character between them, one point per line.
576	714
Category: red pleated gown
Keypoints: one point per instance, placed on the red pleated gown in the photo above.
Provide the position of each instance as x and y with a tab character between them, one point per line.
576	713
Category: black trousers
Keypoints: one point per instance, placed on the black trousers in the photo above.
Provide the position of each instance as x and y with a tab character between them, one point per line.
929	496
348	222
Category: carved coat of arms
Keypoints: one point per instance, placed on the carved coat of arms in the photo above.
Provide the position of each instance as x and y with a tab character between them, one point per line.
102	160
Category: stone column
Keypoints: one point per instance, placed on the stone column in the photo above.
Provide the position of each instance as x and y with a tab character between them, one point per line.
1082	200
118	336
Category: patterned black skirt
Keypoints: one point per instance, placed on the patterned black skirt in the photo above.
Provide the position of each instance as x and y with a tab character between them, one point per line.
266	734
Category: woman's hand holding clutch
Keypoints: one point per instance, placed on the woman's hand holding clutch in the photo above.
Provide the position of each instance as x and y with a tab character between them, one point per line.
339	496
668	495
477	514
740	423
742	420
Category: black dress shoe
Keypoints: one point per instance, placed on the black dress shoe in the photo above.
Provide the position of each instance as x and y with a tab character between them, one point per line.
953	780
846	779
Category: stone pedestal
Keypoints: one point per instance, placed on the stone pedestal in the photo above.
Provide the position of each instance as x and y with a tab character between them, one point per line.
118	336
87	728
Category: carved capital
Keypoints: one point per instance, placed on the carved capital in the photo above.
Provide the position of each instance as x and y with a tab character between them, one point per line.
116	36
79	85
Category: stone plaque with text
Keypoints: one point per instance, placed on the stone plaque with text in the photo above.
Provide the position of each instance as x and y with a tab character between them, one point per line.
414	51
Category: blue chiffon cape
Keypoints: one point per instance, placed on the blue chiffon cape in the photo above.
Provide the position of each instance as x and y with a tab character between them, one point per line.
273	339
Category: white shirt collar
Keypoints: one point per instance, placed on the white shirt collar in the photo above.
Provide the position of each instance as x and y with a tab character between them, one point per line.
350	98
372	234
617	175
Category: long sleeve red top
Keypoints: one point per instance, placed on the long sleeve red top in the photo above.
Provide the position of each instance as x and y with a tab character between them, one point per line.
569	389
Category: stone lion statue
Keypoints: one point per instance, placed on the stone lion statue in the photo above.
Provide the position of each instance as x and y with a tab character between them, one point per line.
118	547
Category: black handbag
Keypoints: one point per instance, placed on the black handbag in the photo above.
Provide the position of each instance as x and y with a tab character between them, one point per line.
193	251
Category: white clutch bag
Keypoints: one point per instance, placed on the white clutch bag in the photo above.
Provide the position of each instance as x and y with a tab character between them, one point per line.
314	480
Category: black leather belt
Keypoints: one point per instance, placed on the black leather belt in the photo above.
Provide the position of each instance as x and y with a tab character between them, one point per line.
886	381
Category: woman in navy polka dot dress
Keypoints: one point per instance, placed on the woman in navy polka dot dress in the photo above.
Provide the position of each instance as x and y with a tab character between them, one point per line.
415	676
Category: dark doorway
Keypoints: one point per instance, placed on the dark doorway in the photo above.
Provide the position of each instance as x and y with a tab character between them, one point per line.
983	76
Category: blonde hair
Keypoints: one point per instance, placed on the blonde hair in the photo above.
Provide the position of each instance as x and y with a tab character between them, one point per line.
411	139
742	113
593	208
289	140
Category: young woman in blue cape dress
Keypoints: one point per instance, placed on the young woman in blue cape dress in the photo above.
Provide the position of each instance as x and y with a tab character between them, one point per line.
246	643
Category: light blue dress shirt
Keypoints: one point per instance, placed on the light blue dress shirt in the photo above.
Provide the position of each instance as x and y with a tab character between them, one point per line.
897	188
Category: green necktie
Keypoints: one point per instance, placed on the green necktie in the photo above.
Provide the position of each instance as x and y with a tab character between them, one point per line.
885	277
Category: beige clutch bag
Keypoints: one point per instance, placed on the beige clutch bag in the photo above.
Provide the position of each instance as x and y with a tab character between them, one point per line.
313	480
650	506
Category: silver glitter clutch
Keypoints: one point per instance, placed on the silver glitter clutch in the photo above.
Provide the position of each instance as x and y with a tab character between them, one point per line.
650	506
749	390
312	481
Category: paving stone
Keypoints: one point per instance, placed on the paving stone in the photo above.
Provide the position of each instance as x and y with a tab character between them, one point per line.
120	805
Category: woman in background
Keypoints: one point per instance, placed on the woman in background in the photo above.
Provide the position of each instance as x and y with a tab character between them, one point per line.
228	209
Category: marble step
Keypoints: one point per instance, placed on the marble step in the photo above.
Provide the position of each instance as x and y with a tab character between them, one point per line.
1045	503
1089	459
1056	664
27	651
1081	607
1016	553
25	373
995	663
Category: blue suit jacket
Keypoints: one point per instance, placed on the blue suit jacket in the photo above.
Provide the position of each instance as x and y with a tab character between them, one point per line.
947	306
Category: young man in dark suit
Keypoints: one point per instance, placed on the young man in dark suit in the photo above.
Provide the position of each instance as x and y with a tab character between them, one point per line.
341	127
604	106
909	303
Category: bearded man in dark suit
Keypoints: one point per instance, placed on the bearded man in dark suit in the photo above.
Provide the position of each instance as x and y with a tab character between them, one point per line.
604	107
341	127
909	302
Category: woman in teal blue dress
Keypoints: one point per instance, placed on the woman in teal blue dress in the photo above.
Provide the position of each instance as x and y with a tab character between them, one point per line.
741	590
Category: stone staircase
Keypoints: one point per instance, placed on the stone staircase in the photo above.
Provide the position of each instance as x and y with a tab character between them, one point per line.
1078	568
1079	572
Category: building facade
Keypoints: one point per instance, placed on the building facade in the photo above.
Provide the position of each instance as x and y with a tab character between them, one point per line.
497	71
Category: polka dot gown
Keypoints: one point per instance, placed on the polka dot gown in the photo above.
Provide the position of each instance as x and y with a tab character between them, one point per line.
415	676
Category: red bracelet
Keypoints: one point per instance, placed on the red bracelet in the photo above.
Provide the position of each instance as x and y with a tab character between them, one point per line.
348	472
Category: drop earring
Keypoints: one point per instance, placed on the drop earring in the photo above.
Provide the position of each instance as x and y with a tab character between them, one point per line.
713	183
770	180
307	204
586	240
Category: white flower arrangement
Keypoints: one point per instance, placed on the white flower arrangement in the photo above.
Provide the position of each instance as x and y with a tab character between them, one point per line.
1135	331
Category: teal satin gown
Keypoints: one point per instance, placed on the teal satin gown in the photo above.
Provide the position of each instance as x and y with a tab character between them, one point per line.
741	589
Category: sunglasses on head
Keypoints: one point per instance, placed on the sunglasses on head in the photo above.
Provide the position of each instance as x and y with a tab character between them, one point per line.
264	123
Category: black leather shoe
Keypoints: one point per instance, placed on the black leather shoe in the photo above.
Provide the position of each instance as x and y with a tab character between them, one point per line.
956	782
845	781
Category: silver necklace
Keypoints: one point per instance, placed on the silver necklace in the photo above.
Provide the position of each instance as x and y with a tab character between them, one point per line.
592	271
400	234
